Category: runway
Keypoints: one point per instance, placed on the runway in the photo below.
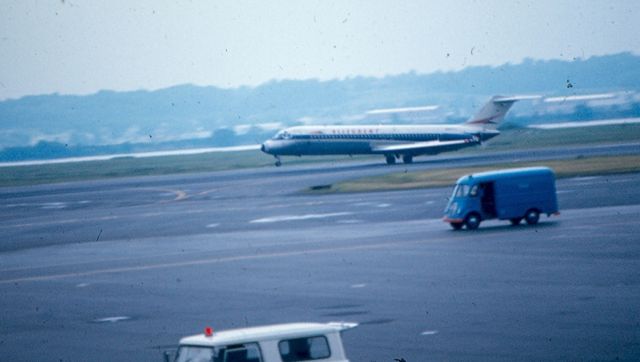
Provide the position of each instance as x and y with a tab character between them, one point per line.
121	269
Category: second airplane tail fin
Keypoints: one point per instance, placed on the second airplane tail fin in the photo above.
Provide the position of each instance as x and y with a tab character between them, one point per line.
494	111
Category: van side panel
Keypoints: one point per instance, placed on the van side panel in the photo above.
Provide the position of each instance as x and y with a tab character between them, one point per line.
517	194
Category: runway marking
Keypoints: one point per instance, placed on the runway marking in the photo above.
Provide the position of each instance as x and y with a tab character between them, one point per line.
112	217
220	188
349	221
54	205
82	285
206	261
111	319
298	217
180	194
383	205
101	218
358	286
585	178
214	225
151	214
428	333
43	205
68	221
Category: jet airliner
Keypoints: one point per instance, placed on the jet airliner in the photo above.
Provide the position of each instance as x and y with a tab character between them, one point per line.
393	142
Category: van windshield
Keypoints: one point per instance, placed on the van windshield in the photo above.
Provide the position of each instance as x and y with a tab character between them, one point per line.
461	190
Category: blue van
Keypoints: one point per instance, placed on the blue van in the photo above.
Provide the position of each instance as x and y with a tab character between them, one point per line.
513	195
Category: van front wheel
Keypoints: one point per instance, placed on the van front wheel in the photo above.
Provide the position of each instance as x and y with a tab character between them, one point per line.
456	225
515	221
472	221
532	216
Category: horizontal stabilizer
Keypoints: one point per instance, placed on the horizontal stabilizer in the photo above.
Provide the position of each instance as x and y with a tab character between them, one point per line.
494	111
500	99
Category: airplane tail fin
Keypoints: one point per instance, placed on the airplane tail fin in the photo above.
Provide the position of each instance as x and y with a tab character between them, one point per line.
493	112
489	116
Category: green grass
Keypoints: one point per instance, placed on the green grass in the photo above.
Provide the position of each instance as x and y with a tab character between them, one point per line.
445	177
121	167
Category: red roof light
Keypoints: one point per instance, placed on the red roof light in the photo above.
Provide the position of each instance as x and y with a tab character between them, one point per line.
208	331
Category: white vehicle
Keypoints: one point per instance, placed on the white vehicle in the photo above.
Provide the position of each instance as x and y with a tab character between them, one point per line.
273	343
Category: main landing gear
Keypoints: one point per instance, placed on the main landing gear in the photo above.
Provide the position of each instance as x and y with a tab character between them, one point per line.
278	162
391	159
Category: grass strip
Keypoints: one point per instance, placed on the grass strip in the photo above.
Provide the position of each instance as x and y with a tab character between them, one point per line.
445	177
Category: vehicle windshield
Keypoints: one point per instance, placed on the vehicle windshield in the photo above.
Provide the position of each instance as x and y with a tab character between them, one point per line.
461	190
194	354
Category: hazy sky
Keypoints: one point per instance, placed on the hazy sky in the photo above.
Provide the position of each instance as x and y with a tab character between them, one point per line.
80	47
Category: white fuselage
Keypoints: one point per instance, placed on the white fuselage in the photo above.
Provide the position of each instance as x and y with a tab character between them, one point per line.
331	140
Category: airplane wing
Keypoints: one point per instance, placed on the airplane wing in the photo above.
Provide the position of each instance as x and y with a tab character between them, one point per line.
423	147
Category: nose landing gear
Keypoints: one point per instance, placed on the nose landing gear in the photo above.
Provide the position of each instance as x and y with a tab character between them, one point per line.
278	162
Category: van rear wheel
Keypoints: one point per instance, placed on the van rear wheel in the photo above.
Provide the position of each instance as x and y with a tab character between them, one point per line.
532	216
472	221
515	221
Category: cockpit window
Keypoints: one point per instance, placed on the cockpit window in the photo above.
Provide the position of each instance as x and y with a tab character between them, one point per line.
282	135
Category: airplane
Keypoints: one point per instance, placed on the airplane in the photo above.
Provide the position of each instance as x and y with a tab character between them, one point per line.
394	142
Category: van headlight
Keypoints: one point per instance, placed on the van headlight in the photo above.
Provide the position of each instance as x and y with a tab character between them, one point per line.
453	208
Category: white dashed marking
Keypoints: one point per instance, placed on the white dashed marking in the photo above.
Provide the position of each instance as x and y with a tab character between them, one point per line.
428	333
54	205
311	203
214	225
298	217
357	286
111	319
113	217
